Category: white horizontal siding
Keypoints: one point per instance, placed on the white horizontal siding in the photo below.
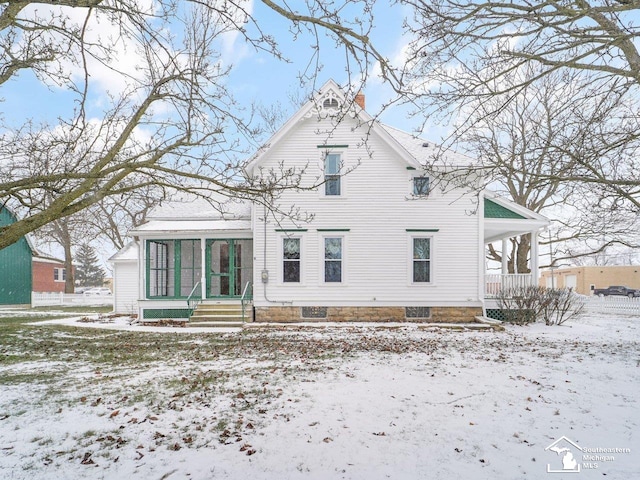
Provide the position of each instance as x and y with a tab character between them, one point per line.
376	210
125	292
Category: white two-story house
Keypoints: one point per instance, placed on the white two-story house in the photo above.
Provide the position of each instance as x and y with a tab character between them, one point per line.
380	237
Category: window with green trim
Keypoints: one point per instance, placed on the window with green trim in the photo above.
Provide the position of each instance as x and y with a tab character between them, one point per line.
332	165
421	186
333	259
161	268
421	260
190	265
291	260
174	267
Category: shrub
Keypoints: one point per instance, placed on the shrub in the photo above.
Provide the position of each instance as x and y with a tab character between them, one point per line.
522	305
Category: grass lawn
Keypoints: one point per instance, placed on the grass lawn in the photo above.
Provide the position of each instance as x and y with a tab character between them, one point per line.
350	401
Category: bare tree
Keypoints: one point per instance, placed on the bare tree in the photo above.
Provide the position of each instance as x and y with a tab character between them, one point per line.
463	53
527	147
171	122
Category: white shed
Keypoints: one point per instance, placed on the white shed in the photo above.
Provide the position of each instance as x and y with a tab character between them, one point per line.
125	279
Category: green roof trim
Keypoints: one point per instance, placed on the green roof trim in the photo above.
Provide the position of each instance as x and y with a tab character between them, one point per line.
493	210
332	146
291	230
334	229
422	230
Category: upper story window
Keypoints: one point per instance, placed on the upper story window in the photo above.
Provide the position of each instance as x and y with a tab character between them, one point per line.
291	260
421	186
332	165
330	103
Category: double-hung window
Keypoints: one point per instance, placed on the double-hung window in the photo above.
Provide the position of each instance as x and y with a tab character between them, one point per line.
333	257
421	260
59	274
291	260
332	165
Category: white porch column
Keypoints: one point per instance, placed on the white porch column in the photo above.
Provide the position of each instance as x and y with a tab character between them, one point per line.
535	258
203	268
505	258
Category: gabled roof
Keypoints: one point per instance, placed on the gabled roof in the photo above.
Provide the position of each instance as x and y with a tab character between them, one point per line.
425	151
415	151
14	218
505	219
192	207
493	209
192	214
127	253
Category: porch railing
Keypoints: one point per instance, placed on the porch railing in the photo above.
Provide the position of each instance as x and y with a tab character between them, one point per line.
247	297
495	282
193	300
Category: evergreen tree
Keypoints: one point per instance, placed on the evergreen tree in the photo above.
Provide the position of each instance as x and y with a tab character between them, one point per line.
88	271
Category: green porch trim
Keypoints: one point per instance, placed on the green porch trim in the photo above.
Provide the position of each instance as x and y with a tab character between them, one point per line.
423	230
158	313
411	168
332	146
333	229
177	266
493	210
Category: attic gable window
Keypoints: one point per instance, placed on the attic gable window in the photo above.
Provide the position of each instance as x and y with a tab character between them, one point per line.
330	103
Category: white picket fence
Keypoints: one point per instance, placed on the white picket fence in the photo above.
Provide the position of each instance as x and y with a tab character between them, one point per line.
613	304
39	299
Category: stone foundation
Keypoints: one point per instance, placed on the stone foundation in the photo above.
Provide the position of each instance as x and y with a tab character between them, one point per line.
364	314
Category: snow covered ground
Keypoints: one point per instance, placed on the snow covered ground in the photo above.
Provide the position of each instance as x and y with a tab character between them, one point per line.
331	402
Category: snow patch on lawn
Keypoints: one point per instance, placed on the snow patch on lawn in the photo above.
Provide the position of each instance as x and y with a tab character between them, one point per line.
344	402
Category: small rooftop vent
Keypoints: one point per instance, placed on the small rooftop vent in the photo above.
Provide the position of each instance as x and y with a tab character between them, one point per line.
425	145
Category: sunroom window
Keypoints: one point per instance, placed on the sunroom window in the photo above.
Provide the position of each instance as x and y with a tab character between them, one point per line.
161	268
332	166
174	267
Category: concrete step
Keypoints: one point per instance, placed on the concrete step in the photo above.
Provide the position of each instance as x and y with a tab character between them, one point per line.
203	307
214	318
216	324
219	315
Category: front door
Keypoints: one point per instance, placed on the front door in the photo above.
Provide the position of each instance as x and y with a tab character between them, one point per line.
230	264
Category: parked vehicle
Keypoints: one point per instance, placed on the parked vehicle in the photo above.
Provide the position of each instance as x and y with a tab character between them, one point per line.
617	290
97	291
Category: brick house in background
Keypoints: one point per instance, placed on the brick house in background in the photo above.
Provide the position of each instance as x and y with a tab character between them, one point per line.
49	274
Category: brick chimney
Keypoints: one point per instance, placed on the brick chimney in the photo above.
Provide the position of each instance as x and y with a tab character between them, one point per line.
359	99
